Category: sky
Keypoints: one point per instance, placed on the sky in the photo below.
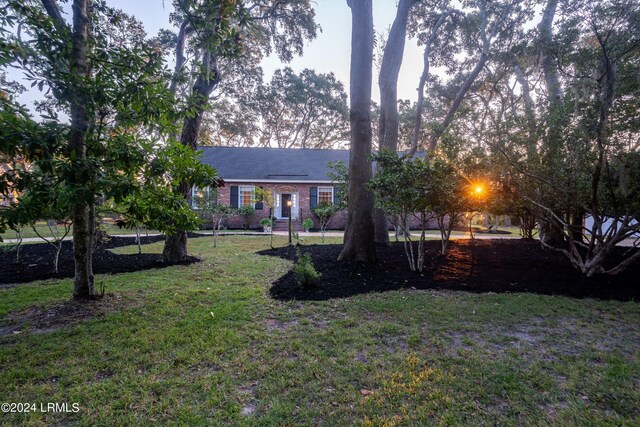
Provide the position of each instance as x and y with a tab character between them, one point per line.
329	52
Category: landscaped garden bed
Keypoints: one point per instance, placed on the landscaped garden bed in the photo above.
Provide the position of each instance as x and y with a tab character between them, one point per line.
206	344
495	265
36	260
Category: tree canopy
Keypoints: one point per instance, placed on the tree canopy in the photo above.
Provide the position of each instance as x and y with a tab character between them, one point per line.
105	103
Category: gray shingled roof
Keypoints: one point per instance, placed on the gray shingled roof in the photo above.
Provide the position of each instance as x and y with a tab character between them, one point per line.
278	164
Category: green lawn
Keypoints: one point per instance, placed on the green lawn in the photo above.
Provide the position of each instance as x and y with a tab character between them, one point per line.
205	345
514	232
42	228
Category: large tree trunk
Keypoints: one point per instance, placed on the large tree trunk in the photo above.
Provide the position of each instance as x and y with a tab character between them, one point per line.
415	139
359	242
82	219
552	84
550	235
547	62
388	79
529	112
388	83
175	245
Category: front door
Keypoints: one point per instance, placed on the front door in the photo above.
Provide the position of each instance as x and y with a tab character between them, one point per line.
286	209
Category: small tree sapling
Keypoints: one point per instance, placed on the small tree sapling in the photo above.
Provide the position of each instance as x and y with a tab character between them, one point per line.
268	200
325	211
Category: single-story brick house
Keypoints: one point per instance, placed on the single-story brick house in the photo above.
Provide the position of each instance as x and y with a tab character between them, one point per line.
295	175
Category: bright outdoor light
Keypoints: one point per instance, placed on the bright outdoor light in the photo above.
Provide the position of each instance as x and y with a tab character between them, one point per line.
289	204
478	189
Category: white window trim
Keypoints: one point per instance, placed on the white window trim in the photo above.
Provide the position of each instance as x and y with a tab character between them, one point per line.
194	205
194	201
194	193
245	188
326	190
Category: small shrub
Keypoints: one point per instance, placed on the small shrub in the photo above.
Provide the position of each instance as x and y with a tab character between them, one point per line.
307	224
266	222
246	212
267	226
305	271
325	211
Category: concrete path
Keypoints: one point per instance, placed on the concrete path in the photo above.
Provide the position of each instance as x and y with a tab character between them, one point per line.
286	233
626	243
39	240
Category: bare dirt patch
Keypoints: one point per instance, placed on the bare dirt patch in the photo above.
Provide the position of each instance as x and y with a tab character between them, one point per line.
274	324
541	341
52	317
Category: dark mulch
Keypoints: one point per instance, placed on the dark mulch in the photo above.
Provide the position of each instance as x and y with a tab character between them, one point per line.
499	265
36	260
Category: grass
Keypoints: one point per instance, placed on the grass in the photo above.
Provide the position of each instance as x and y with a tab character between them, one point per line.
205	345
42	228
514	231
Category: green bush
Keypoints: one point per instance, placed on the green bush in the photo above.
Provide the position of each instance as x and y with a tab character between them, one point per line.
307	224
246	212
305	272
266	222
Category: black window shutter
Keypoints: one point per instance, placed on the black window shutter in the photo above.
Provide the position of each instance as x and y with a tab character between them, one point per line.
313	197
259	205
336	196
234	196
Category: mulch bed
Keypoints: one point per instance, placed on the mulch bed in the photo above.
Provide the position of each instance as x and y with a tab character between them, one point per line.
496	265
36	260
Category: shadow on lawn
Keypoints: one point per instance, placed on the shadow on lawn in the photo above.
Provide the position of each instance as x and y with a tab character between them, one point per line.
499	265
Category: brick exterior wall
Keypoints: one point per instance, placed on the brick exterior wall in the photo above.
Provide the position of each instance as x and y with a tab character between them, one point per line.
303	190
338	222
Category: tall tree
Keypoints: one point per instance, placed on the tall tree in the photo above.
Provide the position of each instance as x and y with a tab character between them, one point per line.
584	157
308	110
486	31
359	239
230	123
219	31
80	111
305	110
388	83
213	23
550	235
83	212
586	128
435	26
101	72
